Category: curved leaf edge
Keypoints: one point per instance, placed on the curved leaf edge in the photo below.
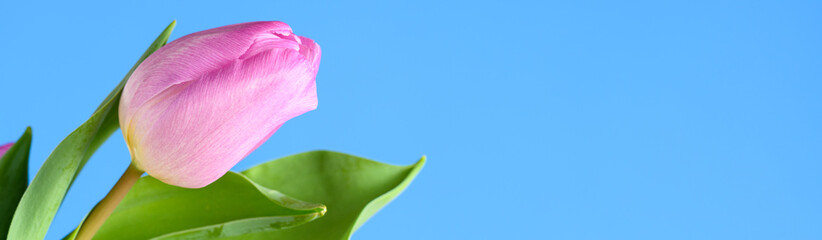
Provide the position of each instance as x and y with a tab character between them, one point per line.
378	203
243	227
285	200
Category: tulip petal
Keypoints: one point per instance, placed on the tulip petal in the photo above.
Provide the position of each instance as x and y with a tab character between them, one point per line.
188	57
311	51
196	107
193	132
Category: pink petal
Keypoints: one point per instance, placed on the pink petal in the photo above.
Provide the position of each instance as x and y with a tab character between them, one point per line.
200	104
192	133
5	147
189	57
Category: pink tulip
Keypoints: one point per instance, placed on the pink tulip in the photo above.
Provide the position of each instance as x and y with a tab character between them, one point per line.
202	103
4	148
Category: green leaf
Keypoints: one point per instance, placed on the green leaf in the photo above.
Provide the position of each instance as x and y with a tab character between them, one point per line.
43	197
353	188
233	206
14	177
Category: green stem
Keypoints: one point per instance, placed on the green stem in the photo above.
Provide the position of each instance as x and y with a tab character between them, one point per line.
103	210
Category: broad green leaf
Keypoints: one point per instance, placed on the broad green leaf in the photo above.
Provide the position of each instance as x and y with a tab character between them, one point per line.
14	177
43	197
353	188
233	206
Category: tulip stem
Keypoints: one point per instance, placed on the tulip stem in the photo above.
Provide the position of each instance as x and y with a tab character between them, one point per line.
103	210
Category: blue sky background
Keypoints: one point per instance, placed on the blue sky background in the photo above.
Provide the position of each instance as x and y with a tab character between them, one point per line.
541	120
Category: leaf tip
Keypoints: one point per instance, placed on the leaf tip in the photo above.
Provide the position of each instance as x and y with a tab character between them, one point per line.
26	135
322	211
422	160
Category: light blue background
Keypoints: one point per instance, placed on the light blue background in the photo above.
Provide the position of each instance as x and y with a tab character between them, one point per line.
541	120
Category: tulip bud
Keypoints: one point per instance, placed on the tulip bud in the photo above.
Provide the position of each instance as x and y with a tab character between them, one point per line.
4	148
197	106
